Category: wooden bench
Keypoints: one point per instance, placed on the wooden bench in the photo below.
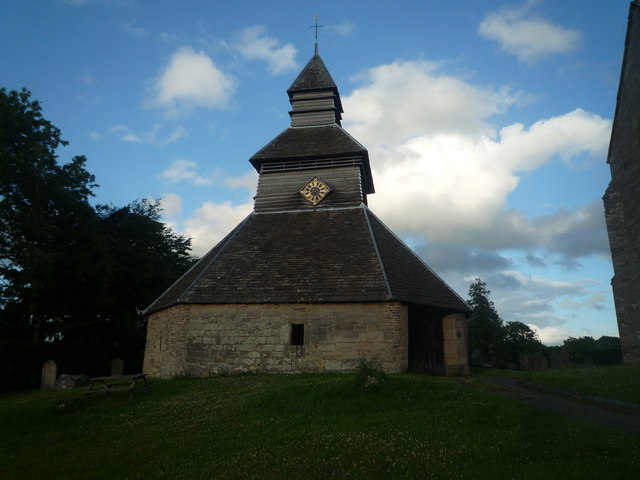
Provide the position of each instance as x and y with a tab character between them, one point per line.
118	383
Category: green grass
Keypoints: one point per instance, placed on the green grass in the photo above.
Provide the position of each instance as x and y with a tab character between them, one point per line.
619	383
301	426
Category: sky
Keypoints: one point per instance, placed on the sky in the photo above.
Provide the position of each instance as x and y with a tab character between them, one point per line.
487	123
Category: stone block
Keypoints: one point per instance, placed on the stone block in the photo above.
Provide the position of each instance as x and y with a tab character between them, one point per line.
49	375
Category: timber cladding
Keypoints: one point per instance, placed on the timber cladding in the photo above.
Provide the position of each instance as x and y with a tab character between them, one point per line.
203	340
280	191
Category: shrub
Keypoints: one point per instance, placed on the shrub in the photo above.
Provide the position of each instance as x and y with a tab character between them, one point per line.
369	373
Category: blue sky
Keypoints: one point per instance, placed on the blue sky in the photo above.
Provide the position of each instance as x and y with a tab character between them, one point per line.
487	123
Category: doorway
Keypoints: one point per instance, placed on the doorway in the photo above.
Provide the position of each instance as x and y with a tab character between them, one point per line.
426	342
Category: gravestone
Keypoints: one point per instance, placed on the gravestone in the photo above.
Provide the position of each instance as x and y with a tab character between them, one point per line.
117	366
539	362
525	361
493	359
476	358
49	375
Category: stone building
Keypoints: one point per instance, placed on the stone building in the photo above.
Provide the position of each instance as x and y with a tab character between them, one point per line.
311	280
622	198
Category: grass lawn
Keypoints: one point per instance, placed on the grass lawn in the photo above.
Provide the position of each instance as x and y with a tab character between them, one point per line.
620	383
301	426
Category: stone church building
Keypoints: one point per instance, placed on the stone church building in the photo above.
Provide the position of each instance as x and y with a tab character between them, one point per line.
622	198
311	280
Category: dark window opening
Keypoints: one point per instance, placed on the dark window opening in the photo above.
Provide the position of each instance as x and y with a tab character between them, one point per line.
297	334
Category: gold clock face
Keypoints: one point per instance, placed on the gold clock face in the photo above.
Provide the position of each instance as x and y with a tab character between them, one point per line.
315	191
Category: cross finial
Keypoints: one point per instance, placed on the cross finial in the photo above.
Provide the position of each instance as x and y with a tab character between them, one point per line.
316	26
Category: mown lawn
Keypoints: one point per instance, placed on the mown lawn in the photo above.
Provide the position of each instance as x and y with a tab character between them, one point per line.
302	426
620	383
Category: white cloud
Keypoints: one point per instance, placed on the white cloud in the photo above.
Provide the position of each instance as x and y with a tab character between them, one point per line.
403	99
171	205
88	79
343	29
212	221
134	30
151	137
254	44
248	181
190	80
527	37
551	335
434	150
182	170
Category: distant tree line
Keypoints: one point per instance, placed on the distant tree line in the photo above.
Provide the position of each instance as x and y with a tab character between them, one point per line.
74	277
495	342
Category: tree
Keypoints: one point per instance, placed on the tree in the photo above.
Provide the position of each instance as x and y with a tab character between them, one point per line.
74	279
608	351
44	213
589	351
520	338
486	329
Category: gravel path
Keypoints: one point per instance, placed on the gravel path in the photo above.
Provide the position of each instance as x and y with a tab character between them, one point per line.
609	413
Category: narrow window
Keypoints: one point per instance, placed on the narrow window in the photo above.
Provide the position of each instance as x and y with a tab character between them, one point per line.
297	334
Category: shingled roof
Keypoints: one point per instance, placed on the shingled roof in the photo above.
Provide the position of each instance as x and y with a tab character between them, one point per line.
326	256
314	76
314	143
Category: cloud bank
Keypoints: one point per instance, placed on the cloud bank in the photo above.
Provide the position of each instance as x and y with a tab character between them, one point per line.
443	172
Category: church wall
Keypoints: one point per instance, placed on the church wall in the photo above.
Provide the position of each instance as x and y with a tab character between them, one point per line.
165	350
622	198
202	340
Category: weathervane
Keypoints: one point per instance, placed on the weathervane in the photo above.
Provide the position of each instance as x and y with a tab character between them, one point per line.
316	26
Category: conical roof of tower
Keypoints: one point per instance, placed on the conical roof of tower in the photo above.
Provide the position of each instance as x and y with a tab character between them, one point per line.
314	76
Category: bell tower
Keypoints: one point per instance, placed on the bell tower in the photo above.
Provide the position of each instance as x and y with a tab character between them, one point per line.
315	163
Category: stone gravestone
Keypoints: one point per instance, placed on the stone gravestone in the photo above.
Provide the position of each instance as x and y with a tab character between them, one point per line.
49	375
493	359
565	359
539	363
476	358
117	366
525	361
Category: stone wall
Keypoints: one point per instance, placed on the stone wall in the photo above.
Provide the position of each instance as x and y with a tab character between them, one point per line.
202	340
622	198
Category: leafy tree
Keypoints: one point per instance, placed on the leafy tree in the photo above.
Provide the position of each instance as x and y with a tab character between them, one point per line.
520	338
74	278
486	328
589	351
44	214
147	255
608	351
580	349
